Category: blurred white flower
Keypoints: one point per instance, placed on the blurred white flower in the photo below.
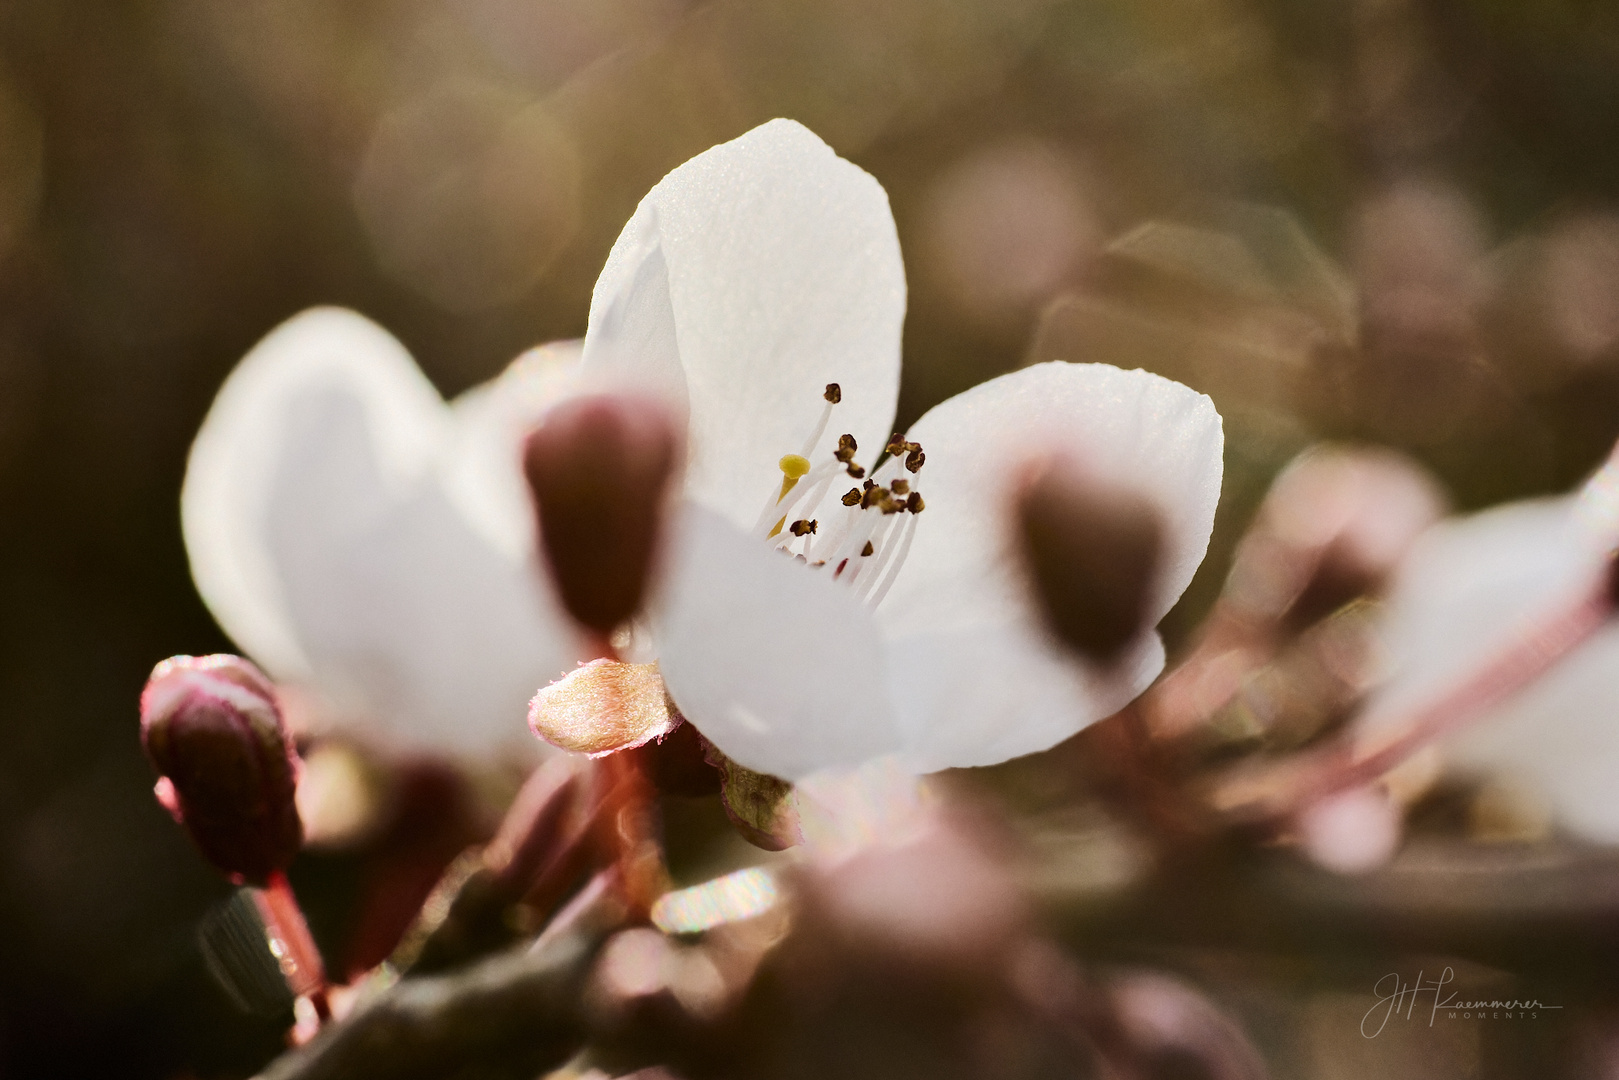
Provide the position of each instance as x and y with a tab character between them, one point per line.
1477	588
748	282
371	545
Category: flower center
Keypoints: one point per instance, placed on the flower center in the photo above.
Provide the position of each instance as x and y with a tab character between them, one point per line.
860	537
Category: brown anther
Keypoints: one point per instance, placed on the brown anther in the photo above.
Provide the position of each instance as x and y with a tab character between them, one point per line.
851	497
856	471
867	550
914	458
846	448
868	485
915	504
901	486
803	528
896	444
834	393
873	496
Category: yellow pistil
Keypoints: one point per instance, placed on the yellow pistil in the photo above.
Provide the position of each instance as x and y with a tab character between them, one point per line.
793	468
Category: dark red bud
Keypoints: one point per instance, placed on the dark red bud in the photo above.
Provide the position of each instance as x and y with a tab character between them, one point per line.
1093	552
599	468
213	730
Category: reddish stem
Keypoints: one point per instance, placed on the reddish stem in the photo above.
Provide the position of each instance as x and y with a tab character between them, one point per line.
292	943
1291	787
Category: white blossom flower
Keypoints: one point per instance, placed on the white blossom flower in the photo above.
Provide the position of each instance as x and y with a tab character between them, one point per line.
799	620
748	282
1475	588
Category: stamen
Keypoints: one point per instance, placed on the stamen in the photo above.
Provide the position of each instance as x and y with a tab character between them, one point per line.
864	550
780	505
862	573
856	540
813	489
833	395
865	572
895	554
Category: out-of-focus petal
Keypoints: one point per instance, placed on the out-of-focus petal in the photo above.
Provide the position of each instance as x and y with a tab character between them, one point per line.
1468	588
1131	428
324	539
778	666
766	268
236	455
985	694
482	468
1560	735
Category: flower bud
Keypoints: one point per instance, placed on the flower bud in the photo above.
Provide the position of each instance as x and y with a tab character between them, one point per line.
599	467
1093	552
1333	527
211	726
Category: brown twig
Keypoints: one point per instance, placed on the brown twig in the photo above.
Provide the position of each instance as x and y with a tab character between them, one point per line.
516	1014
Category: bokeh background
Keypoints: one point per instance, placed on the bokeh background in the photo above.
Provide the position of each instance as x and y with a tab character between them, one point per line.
1384	219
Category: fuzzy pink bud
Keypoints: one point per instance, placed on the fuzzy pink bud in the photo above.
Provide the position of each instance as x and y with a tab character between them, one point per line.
599	468
213	730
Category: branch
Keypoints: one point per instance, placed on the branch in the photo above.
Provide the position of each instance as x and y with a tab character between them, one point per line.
516	1015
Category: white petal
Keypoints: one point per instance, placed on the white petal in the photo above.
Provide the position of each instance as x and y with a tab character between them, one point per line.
976	674
1562	735
984	695
322	538
1468	587
1132	428
1466	591
769	267
482	469
777	664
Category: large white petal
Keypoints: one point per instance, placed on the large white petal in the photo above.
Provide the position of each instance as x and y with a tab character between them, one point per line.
323	538
987	694
1132	428
777	664
769	267
988	682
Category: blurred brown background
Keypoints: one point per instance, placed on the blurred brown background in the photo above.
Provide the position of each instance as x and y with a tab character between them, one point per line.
1380	218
